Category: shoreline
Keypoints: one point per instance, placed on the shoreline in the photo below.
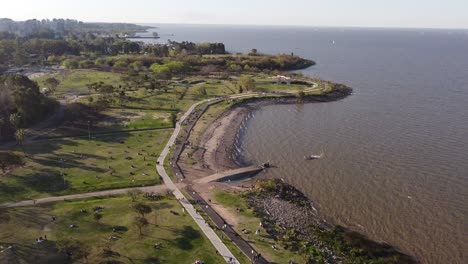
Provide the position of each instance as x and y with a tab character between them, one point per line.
217	145
217	153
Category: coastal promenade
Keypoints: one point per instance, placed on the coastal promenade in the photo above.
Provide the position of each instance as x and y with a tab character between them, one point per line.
207	230
241	243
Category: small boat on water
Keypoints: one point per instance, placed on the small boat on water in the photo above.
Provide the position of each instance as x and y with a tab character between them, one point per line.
313	157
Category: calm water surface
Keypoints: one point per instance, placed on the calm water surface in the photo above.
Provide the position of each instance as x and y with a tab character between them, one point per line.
395	164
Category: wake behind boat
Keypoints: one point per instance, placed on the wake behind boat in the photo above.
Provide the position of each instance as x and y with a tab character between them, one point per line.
313	157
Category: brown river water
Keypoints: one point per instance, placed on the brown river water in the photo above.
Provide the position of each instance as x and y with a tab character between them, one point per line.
395	163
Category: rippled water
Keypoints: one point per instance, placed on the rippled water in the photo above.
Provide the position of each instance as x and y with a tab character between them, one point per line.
395	163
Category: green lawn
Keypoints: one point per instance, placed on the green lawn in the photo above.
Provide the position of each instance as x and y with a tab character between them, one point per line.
180	238
262	242
105	162
76	81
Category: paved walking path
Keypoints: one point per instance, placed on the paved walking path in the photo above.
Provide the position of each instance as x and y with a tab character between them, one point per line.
155	188
241	243
207	230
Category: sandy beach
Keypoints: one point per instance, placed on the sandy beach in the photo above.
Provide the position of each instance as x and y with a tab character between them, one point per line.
214	151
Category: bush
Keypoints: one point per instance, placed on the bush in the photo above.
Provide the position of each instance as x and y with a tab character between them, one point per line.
70	64
121	64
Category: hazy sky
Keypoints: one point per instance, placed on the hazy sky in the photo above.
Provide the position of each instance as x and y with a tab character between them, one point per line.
367	13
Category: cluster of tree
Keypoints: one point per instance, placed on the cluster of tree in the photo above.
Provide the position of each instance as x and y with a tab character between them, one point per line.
29	51
173	48
166	67
55	28
22	51
246	83
21	104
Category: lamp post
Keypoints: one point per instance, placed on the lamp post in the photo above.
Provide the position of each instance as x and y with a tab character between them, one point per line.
61	171
89	129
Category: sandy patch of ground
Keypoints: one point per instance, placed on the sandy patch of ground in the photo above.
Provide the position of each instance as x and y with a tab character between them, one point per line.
214	152
164	116
120	118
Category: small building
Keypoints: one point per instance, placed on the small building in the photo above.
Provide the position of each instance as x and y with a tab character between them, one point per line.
283	79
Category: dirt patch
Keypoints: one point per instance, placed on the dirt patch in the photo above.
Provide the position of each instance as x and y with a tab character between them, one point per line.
165	116
120	118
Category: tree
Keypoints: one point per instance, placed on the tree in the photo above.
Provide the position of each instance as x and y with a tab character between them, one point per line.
247	82
52	83
162	71
140	223
21	103
142	209
105	89
179	92
70	64
20	136
300	94
121	64
74	249
97	217
14	120
200	90
134	194
21	56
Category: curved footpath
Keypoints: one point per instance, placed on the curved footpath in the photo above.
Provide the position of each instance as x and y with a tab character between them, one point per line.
154	188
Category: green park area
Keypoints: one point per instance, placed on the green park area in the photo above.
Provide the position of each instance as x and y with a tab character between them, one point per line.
76	81
103	230
77	165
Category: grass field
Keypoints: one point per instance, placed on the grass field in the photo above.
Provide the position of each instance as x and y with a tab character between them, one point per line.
105	162
76	81
262	242
180	238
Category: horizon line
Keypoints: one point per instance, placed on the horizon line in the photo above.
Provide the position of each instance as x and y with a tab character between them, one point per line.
266	25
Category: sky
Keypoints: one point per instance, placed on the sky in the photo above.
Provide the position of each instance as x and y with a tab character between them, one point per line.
334	13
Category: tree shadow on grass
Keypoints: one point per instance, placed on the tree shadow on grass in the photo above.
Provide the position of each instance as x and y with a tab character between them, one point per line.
163	205
10	191
187	235
43	253
36	216
67	163
151	260
45	181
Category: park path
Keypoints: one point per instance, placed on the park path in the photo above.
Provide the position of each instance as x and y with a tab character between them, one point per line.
154	188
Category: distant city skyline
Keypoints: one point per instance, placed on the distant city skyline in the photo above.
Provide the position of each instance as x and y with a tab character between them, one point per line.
333	13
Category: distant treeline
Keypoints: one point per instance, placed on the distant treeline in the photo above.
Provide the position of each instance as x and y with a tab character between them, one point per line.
61	27
43	50
167	67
